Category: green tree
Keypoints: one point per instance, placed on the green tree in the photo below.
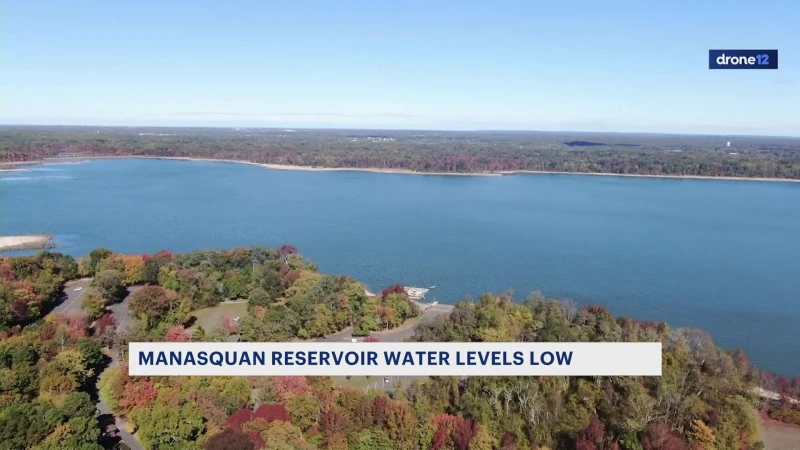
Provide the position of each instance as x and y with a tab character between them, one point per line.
483	440
235	284
304	411
24	425
164	426
91	352
111	386
93	303
150	271
110	284
96	257
258	297
234	393
370	439
281	435
77	404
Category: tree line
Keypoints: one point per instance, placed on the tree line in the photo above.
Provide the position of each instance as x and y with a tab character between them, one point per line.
425	151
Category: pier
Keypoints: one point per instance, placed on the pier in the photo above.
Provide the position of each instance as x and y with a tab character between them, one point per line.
417	295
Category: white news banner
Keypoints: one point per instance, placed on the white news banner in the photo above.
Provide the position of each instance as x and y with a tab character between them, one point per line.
394	358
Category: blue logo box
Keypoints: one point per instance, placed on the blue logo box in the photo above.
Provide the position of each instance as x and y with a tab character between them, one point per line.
742	59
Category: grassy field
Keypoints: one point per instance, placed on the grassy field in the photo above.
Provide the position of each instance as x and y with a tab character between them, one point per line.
355	382
210	317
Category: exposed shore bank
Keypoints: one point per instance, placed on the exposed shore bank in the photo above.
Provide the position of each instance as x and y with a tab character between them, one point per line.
30	242
633	175
394	171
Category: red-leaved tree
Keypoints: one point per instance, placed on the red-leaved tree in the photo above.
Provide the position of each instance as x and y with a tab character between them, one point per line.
177	333
105	321
333	422
237	419
137	394
379	408
288	387
393	289
659	436
271	412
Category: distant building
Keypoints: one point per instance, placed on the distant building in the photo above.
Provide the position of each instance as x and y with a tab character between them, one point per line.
729	144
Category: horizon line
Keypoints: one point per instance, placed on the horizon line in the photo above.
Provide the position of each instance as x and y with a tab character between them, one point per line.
322	128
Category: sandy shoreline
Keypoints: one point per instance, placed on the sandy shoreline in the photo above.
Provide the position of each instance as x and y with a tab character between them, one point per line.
315	169
31	242
395	171
633	175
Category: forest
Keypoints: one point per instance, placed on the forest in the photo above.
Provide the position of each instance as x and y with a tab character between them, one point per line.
54	366
424	151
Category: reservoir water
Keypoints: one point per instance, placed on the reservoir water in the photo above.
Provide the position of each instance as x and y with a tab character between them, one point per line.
723	256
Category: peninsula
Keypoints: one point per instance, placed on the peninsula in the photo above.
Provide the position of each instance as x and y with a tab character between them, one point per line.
26	242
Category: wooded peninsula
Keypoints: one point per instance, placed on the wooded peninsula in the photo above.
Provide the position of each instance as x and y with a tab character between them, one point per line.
447	152
62	352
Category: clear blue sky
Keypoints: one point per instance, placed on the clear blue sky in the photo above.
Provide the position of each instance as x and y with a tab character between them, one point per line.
582	65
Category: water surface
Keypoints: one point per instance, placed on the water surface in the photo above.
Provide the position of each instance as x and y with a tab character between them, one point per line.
717	255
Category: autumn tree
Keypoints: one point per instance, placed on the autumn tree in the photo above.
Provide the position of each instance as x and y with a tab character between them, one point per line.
229	439
138	393
304	411
93	303
336	441
163	426
333	422
151	303
104	322
110	285
177	333
659	436
271	412
291	386
96	257
286	250
399	422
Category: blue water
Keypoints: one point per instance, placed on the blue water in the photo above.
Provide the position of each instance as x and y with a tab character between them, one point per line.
719	255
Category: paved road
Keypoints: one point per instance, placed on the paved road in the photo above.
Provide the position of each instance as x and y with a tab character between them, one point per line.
72	302
129	439
122	315
401	335
390	336
343	336
121	312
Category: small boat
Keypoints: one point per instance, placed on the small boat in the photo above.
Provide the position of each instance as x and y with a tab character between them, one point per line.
432	287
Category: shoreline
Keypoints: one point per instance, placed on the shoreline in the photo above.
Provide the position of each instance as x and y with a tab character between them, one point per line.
392	171
636	175
29	242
